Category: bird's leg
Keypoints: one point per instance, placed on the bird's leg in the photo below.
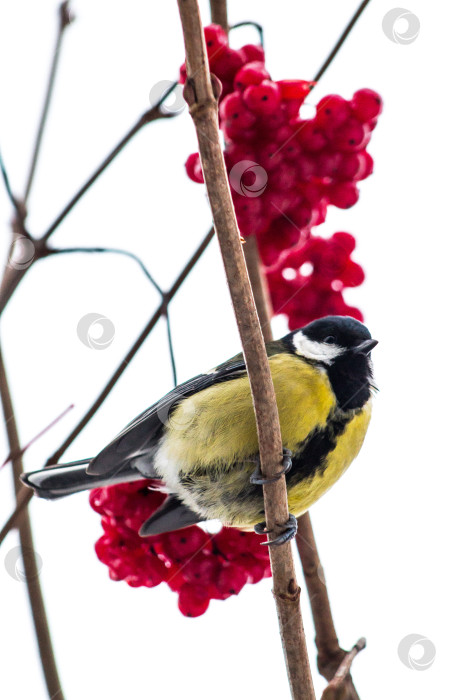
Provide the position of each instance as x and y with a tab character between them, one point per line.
288	533
258	479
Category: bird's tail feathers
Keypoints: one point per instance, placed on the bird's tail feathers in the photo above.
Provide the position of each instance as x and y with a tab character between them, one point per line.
65	479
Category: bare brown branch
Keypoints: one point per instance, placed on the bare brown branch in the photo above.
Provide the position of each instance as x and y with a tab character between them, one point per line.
258	285
330	654
65	18
337	688
339	43
31	572
219	13
201	96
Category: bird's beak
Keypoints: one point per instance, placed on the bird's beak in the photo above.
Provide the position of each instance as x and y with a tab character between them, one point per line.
365	347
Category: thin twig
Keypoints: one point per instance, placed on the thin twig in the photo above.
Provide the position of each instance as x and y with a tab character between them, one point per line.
6	181
151	115
25	494
257	26
339	43
202	101
258	286
38	436
65	18
117	251
330	654
27	549
219	13
336	689
132	256
171	347
13	276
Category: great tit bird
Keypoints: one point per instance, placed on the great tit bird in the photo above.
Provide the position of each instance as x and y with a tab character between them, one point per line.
201	441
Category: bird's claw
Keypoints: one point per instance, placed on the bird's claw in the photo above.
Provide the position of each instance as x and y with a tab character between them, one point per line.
260	528
259	480
289	532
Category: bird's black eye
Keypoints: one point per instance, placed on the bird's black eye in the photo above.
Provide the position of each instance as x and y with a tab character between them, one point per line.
330	339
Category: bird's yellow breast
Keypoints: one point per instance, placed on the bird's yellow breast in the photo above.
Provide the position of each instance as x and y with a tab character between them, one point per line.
217	425
308	490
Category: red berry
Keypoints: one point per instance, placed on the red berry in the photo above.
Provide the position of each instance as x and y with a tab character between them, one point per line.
351	136
343	194
182	543
216	40
291	149
256	569
250	74
351	166
253	52
270	155
226	64
234	113
193	168
262	99
366	104
284	177
230	541
331	112
249	207
294	89
231	580
202	569
327	164
270	123
352	275
300	214
192	600
345	241
236	152
310	135
306	167
313	192
368	165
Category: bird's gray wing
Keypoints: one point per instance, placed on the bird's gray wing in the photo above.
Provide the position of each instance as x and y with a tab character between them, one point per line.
172	515
138	441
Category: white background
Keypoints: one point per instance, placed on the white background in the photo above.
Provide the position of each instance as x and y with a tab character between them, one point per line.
391	532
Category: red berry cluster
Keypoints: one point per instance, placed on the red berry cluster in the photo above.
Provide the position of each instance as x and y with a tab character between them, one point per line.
308	282
285	171
198	566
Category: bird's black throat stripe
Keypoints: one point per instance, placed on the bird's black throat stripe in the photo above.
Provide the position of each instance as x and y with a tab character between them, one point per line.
310	458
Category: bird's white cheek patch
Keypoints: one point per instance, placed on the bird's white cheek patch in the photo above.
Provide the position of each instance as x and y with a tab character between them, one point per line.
315	350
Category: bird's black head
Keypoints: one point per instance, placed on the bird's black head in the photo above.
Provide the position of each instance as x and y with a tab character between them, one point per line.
342	346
